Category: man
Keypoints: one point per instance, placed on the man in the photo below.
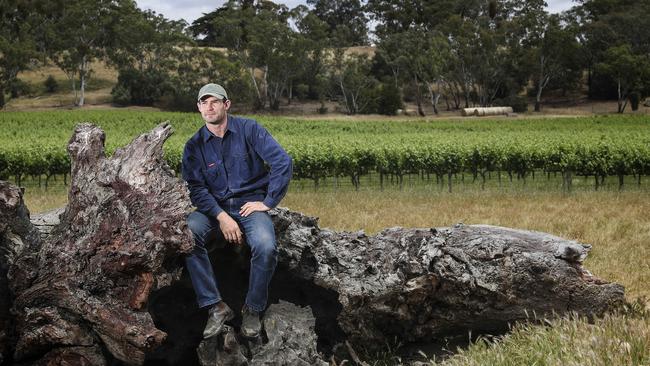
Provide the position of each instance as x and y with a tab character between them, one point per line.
224	167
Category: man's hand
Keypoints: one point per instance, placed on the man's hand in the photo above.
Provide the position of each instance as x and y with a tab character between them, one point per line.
250	207
229	228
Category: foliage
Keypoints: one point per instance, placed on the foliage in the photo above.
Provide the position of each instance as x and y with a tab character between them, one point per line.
390	99
629	71
596	147
80	32
17	42
350	78
346	22
51	85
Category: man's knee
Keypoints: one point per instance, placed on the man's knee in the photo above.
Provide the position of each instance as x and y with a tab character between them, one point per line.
199	225
264	249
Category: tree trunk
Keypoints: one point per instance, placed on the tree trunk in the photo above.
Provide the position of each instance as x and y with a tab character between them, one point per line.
620	97
83	72
91	290
418	96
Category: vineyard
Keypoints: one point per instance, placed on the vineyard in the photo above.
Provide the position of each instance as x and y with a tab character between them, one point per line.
33	144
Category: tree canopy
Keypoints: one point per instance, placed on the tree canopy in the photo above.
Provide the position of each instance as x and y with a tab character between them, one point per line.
466	53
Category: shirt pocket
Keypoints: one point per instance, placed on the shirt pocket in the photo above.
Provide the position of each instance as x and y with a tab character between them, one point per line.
241	163
211	174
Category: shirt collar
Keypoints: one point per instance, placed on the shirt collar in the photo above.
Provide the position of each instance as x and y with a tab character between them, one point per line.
206	134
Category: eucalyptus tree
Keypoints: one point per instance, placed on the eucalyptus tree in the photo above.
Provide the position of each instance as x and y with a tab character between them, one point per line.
146	48
351	80
18	46
606	26
553	54
80	35
258	36
629	71
347	24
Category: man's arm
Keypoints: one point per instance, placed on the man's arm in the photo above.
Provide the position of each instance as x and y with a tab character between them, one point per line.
280	170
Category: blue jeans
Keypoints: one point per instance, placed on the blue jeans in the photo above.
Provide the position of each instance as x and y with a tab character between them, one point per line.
260	237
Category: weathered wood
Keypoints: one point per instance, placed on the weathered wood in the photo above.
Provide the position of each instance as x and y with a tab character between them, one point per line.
119	238
415	284
86	287
16	232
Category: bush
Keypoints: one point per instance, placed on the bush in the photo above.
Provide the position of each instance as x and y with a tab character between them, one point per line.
121	95
518	103
51	85
389	99
20	88
141	87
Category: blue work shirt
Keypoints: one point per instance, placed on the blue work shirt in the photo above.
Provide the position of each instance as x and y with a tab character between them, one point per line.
217	169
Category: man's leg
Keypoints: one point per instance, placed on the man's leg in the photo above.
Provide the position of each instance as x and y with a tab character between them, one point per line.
260	237
198	263
205	229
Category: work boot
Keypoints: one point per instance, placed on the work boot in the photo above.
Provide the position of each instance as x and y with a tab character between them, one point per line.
250	324
219	314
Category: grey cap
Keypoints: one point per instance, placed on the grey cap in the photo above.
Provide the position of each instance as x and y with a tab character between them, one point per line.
214	90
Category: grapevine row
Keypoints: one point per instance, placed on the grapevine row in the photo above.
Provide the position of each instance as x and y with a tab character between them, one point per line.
354	159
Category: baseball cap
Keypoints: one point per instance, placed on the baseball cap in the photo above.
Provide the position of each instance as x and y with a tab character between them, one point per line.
214	90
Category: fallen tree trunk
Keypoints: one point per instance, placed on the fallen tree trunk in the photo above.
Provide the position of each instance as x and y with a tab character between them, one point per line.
102	283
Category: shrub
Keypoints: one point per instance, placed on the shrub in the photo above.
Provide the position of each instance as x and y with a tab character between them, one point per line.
141	87
51	85
121	95
389	99
20	88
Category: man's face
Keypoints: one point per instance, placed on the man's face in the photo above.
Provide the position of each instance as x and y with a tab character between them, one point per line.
213	110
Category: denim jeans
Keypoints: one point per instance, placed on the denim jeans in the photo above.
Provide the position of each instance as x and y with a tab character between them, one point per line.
259	235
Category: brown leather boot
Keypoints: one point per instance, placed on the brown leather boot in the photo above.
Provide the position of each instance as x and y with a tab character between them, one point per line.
220	313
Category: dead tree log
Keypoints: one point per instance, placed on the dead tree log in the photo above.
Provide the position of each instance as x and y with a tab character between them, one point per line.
416	284
119	238
84	291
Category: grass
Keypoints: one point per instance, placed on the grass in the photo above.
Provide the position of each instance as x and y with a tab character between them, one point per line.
612	340
617	224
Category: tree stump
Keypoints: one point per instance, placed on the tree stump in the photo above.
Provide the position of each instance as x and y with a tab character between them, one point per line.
103	282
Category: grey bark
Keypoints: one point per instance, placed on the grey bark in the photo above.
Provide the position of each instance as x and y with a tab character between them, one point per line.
84	290
416	284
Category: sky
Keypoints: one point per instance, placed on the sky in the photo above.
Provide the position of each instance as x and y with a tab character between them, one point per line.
191	10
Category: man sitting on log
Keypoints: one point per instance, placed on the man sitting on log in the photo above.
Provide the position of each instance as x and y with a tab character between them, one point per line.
232	189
